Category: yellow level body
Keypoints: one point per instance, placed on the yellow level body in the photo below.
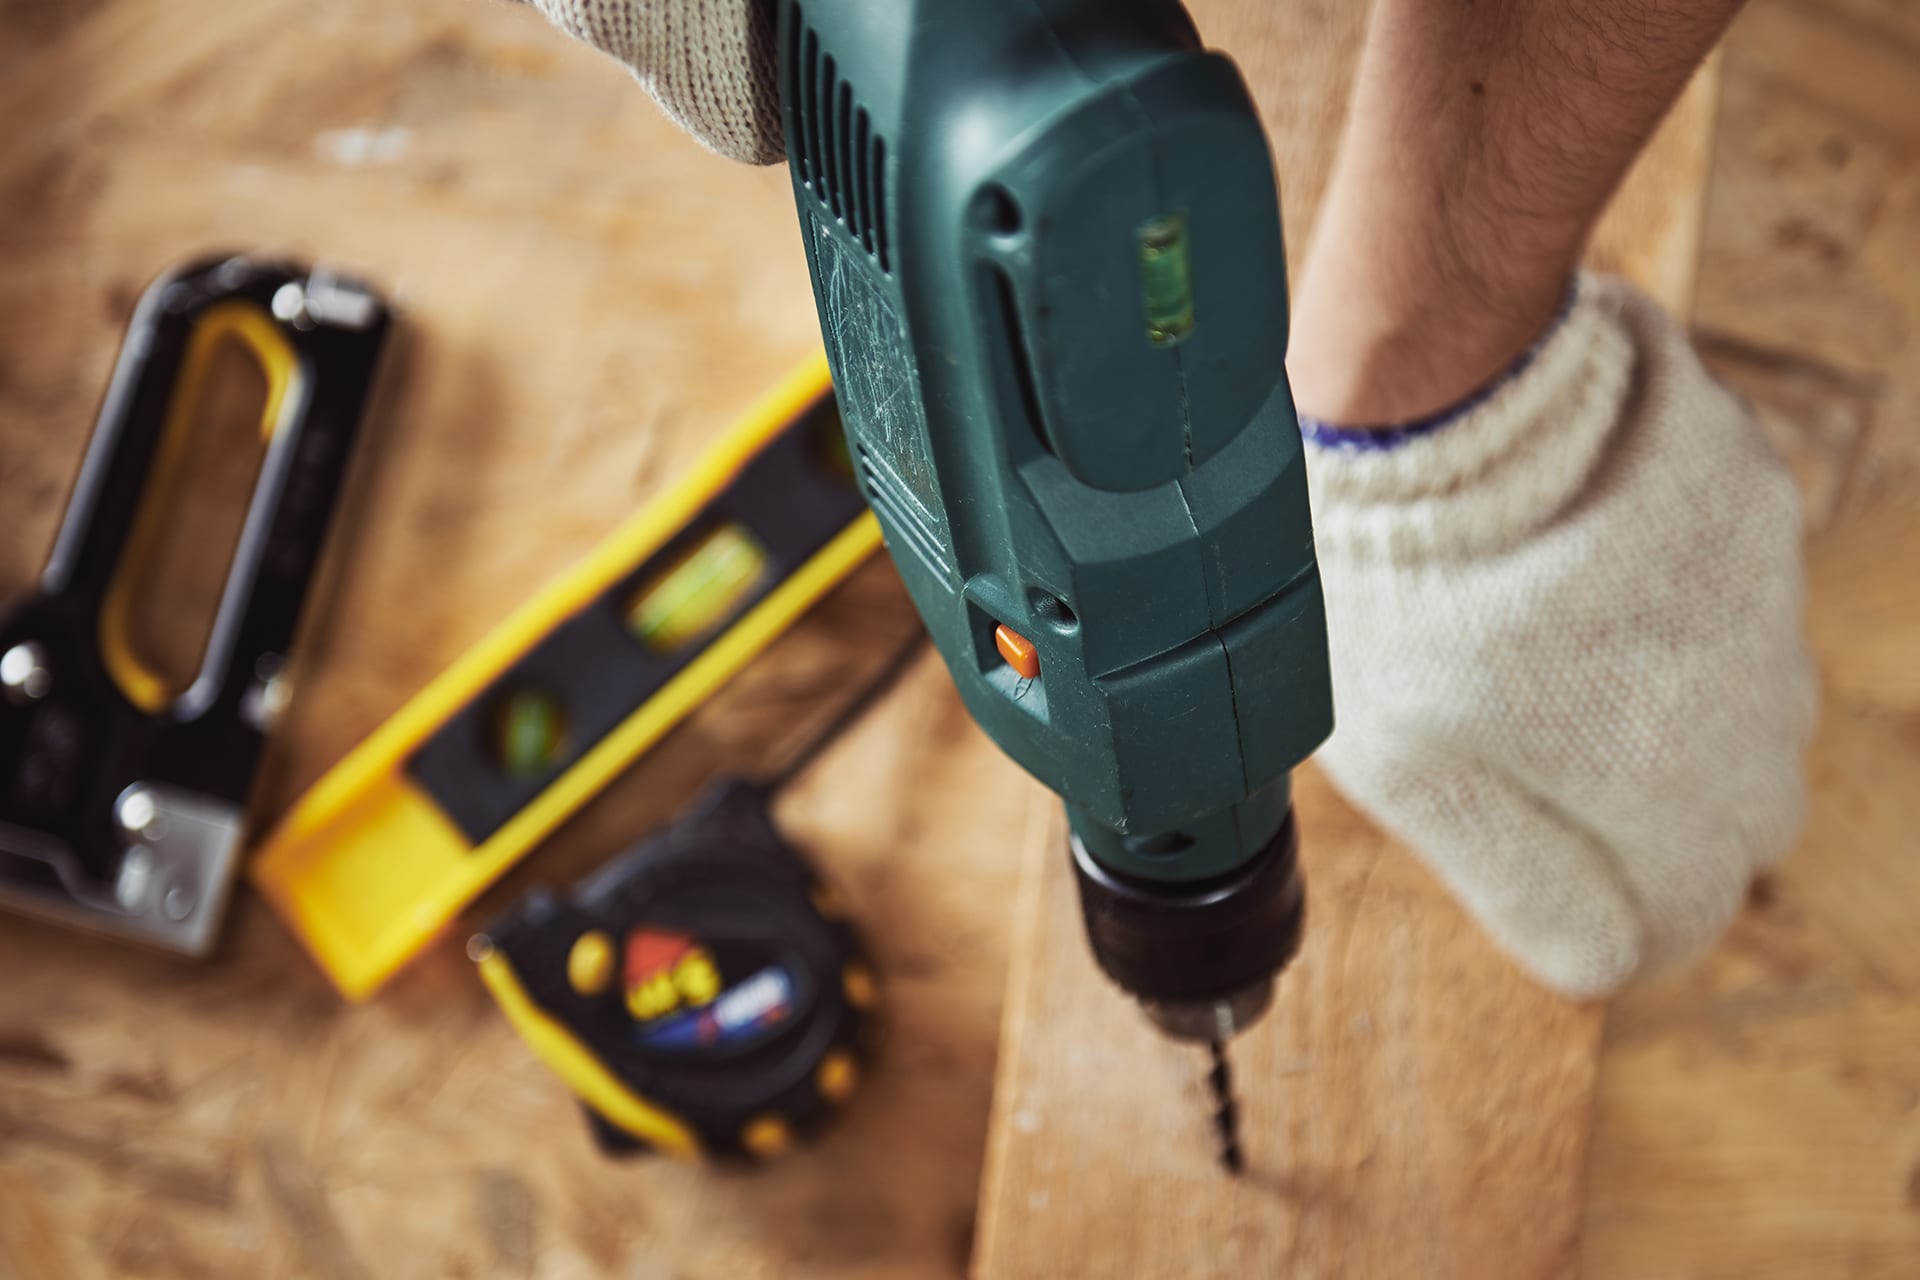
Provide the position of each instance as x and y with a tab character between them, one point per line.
369	866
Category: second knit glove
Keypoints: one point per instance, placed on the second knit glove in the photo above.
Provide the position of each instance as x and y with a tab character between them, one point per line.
708	63
1566	639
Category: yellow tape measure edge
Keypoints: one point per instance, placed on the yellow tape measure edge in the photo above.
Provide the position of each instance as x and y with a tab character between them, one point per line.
582	1072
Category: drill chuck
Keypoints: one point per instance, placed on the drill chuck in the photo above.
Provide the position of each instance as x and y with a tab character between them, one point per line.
1201	956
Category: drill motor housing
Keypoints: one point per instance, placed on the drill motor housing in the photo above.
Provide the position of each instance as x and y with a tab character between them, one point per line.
1044	240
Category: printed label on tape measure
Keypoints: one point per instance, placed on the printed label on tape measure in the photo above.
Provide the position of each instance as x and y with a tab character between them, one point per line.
741	1011
666	971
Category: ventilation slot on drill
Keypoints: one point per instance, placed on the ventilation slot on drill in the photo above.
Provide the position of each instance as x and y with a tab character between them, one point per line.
839	155
899	512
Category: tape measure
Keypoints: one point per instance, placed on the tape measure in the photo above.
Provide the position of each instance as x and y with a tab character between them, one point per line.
701	993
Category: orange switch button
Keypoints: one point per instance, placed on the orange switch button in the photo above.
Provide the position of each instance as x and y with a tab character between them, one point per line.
1018	651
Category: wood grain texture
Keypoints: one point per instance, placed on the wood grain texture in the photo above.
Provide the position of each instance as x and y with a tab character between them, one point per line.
1413	1105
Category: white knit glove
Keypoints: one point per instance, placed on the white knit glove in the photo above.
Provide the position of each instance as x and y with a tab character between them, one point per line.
1567	658
708	63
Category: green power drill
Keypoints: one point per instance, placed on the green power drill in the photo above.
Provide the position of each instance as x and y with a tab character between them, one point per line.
1045	244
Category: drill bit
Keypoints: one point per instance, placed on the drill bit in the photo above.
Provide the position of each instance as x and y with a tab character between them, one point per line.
1226	1113
1213	1022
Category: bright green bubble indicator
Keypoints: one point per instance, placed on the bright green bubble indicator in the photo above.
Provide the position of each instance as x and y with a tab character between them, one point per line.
699	592
529	732
1164	279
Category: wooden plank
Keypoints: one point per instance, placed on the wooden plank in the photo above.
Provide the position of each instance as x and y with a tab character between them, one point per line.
1413	1105
585	297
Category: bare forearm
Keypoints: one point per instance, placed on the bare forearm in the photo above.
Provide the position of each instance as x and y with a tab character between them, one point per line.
1485	136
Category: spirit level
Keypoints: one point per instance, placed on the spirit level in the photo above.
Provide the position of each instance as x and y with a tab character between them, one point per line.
533	721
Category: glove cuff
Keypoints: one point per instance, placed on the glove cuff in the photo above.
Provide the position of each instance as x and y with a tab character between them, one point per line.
1491	470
